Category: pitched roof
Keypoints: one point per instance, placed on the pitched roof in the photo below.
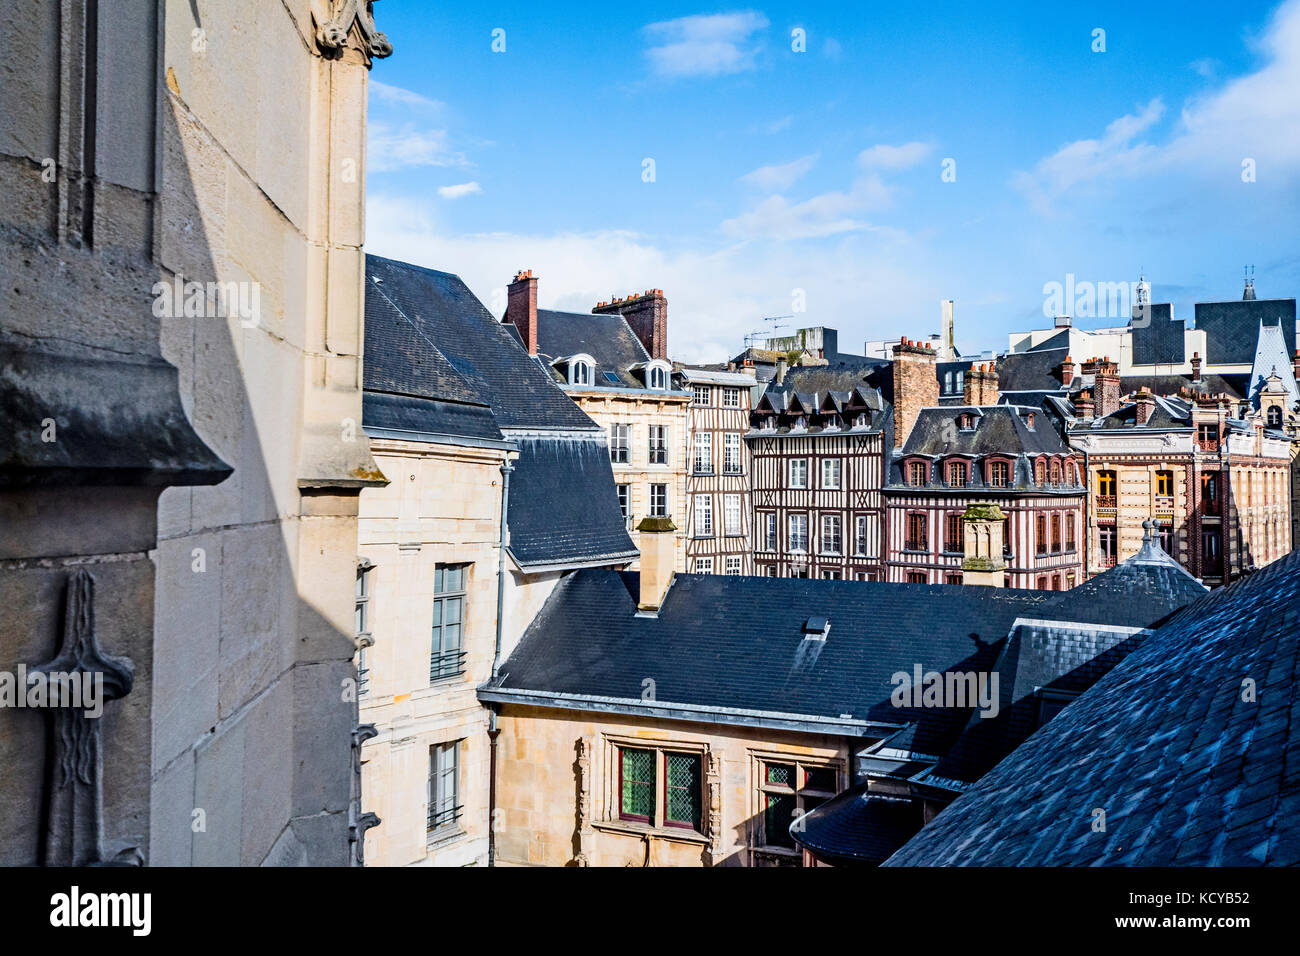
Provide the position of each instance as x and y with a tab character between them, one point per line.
563	507
1035	370
1158	338
1271	357
859	826
1191	764
999	430
424	317
606	338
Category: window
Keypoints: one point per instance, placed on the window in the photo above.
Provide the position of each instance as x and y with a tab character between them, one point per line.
916	532
658	378
831	473
703	464
618	435
1210	492
1029	421
952	577
917	577
1040	472
731	515
659	501
731	564
1106	484
640	773
916	472
611	378
703	565
1210	545
832	538
966	422
1274	417
1106	544
580	373
447	659
798	472
1069	533
953	539
1208	435
625	503
443	787
949	381
1069	580
769	571
788	790
704	516
768	524
860	535
731	453
999	474
1042	582
831	575
731	398
1056	534
956	474
1164	483
1056	471
658	444
701	395
798	532
1165	535
1040	535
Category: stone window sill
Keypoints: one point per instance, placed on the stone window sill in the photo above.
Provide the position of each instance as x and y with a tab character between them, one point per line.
642	830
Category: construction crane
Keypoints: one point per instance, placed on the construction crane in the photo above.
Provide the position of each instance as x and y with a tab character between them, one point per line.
753	337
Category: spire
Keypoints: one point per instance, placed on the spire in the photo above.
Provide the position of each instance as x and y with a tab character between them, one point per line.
1249	294
1143	290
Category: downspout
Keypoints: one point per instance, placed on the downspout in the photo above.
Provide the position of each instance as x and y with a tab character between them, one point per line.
1087	514
493	729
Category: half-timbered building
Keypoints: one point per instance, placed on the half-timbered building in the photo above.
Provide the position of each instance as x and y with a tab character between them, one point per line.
719	508
817	440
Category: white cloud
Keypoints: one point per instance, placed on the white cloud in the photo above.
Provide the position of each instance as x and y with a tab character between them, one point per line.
884	156
705	45
400	96
1254	116
861	283
389	148
459	190
778	177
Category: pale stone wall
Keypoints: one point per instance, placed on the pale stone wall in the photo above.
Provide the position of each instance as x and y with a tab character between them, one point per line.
443	506
541	775
640	411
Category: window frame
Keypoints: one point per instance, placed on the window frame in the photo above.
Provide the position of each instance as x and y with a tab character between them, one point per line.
790	536
658	500
802	483
799	793
435	828
731	398
836	536
702	453
837	474
444	663
620	440
730	503
701	390
703	515
732	465
911	542
657	444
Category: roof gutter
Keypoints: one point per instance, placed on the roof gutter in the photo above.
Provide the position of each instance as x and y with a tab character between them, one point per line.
696	713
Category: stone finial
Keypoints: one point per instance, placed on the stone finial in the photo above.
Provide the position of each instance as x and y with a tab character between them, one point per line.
332	35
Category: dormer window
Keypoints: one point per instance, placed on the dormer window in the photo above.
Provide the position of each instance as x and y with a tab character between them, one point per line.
860	421
967	422
801	423
657	377
582	368
1029	420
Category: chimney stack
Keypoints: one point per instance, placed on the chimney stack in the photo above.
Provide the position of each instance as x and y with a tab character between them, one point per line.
658	551
1146	406
916	386
1084	405
981	385
983	531
521	308
1105	384
647	317
781	366
948	347
1196	366
1067	371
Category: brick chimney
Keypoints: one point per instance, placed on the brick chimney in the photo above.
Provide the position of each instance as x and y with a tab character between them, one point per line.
1084	406
1105	384
1196	366
646	315
1146	406
781	365
981	385
1067	371
521	308
916	386
658	550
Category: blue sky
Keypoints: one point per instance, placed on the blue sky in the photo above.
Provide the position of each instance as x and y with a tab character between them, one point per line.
821	170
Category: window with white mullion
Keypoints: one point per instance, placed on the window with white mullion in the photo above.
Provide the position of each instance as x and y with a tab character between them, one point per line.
704	516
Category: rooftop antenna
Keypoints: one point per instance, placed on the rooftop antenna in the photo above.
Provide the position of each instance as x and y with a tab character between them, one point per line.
1250	283
752	338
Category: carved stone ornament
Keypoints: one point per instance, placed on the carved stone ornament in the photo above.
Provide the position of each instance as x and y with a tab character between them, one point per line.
74	761
713	780
358	822
583	766
332	35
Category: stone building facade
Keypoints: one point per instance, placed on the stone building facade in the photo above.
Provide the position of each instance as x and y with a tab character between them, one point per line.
202	227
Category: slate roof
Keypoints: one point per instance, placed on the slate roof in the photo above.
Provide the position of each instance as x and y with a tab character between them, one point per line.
563	508
1231	328
1272	357
999	430
1035	370
1167	413
859	827
606	338
451	323
1160	339
1233	384
1188	772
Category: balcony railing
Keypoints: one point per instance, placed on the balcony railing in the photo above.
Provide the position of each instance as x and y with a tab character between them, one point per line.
443	819
1108	560
1105	501
446	664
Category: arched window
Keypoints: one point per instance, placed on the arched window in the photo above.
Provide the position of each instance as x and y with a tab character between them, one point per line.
1040	472
581	370
917	473
1056	471
658	378
957	474
1274	416
999	474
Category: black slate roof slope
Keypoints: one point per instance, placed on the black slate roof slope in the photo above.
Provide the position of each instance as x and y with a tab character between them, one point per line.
563	508
1232	328
1159	339
1035	370
1187	771
859	827
606	338
723	641
477	347
999	429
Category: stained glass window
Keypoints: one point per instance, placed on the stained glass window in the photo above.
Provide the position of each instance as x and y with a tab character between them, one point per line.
637	786
682	790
